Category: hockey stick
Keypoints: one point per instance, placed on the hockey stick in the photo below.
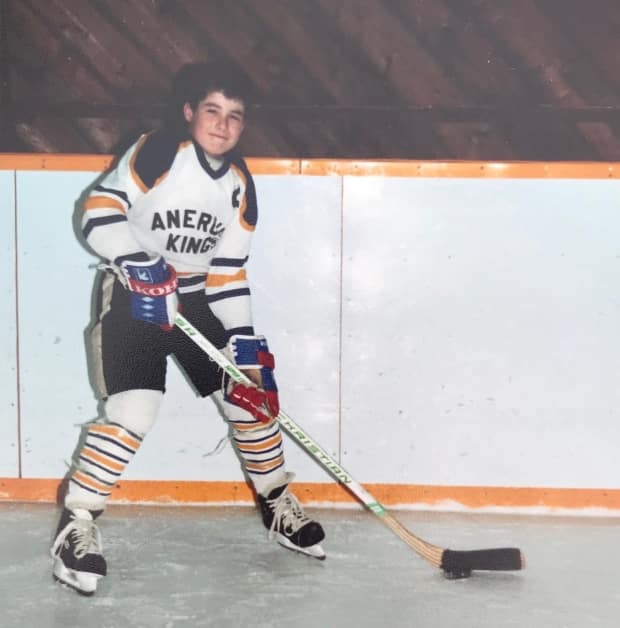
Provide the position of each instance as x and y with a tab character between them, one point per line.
455	564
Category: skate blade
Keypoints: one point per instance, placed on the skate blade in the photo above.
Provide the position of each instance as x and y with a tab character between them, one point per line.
83	583
316	551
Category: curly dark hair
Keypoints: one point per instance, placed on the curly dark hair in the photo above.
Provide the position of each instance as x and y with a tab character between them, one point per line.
194	81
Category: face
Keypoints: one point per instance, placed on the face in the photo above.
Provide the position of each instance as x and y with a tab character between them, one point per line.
216	123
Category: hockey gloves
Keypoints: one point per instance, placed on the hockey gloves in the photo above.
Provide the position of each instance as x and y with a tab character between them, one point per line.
152	285
252	352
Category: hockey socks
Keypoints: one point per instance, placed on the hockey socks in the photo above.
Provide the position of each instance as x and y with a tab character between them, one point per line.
261	451
106	452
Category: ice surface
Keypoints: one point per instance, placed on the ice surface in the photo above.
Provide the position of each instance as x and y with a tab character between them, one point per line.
213	566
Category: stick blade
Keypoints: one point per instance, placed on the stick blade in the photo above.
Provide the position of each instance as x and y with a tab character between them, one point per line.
460	564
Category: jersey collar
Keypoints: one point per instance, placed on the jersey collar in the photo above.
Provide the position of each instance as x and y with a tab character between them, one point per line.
202	159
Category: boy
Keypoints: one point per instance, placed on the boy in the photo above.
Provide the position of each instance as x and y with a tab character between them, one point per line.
174	220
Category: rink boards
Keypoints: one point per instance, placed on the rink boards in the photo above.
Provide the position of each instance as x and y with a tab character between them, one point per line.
448	332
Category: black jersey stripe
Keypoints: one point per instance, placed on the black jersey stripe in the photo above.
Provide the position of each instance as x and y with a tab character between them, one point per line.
250	214
240	331
228	294
206	166
185	282
235	262
122	195
92	223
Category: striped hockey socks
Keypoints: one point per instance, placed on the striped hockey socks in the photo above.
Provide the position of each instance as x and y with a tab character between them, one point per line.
262	454
106	452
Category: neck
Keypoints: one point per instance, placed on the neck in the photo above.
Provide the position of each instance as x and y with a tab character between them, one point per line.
214	162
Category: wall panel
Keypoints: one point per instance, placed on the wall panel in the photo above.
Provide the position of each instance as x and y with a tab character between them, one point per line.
55	293
438	331
295	276
295	279
481	330
9	443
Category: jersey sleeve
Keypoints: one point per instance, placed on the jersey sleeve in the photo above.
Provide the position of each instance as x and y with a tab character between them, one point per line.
104	221
227	287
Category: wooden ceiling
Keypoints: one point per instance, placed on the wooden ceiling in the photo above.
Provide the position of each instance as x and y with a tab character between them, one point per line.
367	79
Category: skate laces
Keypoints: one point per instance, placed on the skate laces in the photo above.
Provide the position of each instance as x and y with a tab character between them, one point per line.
288	515
85	537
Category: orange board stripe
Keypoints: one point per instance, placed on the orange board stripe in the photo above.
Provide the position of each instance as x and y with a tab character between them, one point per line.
169	492
462	169
44	161
349	167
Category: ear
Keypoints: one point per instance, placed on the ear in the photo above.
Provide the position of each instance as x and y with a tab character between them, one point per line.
188	112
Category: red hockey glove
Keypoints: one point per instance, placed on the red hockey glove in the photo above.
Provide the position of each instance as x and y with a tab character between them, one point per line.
252	352
251	399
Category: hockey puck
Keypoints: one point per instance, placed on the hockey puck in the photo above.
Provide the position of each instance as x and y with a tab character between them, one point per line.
456	574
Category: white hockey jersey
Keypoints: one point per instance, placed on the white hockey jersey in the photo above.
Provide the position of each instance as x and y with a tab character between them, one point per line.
164	198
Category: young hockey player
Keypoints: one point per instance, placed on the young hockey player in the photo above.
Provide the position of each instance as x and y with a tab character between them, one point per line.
174	222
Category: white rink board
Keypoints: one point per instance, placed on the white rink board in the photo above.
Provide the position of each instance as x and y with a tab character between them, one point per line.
9	446
298	219
481	332
296	307
55	284
295	276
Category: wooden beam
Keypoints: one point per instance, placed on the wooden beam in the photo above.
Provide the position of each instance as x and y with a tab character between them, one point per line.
474	113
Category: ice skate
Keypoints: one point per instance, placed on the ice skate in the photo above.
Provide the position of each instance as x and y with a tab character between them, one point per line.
287	523
78	562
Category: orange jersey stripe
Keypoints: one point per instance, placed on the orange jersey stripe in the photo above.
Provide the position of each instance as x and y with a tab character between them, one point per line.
216	281
103	202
